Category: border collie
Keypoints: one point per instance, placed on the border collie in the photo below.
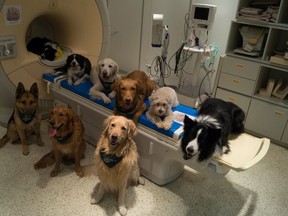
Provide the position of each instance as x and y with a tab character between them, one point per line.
207	135
77	68
43	47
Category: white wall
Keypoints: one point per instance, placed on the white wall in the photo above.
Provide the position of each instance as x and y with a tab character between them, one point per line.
131	46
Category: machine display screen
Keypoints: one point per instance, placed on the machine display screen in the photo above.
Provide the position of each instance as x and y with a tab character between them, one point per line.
201	13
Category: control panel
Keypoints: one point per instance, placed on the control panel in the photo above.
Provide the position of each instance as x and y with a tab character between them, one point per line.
7	47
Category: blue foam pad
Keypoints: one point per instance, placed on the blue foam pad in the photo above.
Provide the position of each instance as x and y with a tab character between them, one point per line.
175	131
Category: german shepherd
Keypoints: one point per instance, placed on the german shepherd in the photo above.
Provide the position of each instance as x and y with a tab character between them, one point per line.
25	119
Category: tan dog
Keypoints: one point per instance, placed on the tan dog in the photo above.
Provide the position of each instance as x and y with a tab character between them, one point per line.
160	111
116	160
130	94
103	75
147	85
66	131
25	119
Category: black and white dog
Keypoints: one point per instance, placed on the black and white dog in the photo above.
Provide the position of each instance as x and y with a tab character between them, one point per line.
207	135
43	47
77	68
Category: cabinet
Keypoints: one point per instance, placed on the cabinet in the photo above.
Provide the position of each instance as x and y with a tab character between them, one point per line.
252	70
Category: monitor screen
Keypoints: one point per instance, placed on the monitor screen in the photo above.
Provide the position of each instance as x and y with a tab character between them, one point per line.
201	13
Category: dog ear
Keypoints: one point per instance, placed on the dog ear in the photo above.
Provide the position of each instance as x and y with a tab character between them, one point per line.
107	123
132	129
188	123
20	90
34	90
98	65
116	68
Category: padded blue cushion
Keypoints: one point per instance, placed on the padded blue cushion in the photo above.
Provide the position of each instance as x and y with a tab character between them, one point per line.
83	90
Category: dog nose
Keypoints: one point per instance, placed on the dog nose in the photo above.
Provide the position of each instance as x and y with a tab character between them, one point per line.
52	123
128	100
114	138
190	150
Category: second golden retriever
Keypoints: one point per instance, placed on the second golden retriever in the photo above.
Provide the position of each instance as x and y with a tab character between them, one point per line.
116	160
130	94
67	135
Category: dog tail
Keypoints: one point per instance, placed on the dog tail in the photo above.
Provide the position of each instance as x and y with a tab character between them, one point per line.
89	170
4	140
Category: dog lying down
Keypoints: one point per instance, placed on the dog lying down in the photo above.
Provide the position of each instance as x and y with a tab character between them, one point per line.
77	68
208	134
116	159
130	94
161	103
103	76
66	132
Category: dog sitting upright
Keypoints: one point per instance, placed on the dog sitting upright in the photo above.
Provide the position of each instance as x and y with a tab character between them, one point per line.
77	68
25	119
67	136
103	76
208	133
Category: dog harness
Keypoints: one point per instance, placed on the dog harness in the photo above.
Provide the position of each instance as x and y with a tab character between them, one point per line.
63	140
110	160
26	118
107	85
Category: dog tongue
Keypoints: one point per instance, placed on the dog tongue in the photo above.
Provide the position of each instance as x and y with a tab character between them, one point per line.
52	132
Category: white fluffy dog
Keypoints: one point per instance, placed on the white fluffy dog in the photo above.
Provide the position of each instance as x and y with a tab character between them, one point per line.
103	75
160	110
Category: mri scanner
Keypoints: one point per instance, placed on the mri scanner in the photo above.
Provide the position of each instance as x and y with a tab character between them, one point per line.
83	27
77	26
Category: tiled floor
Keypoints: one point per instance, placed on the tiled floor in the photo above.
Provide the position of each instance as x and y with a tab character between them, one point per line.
261	190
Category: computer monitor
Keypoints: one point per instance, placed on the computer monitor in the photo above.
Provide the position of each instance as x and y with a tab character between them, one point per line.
202	15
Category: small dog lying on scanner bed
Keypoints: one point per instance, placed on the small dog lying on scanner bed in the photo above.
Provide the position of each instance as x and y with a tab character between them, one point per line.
130	94
77	68
160	110
208	133
25	119
103	76
45	48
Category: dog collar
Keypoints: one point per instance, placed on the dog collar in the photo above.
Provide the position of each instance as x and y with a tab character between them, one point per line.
26	118
110	160
64	139
125	111
107	85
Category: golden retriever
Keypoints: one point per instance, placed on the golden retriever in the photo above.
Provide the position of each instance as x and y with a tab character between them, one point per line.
66	132
116	160
25	119
103	75
130	94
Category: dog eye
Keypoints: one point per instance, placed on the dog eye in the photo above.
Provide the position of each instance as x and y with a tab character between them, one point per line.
158	104
61	114
123	88
123	128
23	102
102	65
164	104
112	125
110	66
133	88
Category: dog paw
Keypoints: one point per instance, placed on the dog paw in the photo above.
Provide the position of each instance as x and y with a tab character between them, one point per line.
79	172
40	143
166	126
54	173
26	152
159	125
122	210
141	181
95	200
70	82
112	94
76	83
106	100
